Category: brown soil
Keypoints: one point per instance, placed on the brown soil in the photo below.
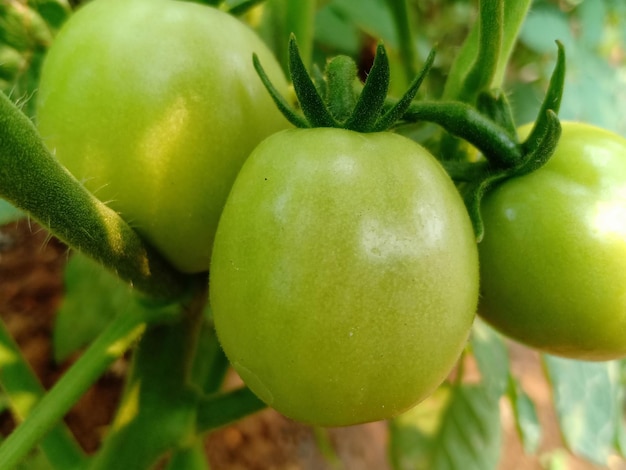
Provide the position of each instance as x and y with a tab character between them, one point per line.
31	287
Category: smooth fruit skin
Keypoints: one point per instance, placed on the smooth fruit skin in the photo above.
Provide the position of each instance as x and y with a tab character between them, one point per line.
553	259
344	275
154	105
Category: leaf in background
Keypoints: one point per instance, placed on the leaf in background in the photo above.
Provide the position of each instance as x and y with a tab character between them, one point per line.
526	419
8	213
595	87
587	401
492	358
54	12
544	25
413	433
370	16
465	434
592	16
92	297
335	31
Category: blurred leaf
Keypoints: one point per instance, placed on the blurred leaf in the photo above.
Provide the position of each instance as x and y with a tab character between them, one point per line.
54	12
93	296
526	419
544	25
8	213
35	460
592	16
586	402
370	16
466	432
413	433
335	31
492	358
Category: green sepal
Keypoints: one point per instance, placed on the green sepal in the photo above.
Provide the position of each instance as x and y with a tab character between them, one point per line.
280	102
312	104
372	99
474	192
398	110
552	101
334	100
545	145
494	105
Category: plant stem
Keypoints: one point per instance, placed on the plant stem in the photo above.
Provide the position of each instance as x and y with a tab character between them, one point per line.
23	391
157	410
33	180
462	120
479	48
400	11
219	410
191	458
110	345
287	17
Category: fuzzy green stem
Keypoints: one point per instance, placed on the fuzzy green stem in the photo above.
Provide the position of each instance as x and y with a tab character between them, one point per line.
482	71
119	336
33	180
341	75
291	17
23	390
215	411
462	120
157	410
400	11
470	55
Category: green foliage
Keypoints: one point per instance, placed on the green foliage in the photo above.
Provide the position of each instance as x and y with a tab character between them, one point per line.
93	296
457	427
594	38
588	403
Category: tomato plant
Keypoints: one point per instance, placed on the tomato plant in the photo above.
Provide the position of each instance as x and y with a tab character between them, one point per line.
553	260
341	262
157	119
344	274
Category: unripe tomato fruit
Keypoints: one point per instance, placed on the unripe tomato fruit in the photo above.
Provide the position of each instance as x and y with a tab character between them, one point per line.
344	277
154	105
553	258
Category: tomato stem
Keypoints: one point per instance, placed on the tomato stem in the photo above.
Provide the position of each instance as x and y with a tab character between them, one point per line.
18	380
34	181
120	335
463	120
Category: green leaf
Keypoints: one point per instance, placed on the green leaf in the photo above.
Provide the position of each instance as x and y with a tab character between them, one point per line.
592	16
587	403
93	296
465	434
526	419
544	25
370	16
492	358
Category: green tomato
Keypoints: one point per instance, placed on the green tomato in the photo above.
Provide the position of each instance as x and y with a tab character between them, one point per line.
154	105
344	277
553	259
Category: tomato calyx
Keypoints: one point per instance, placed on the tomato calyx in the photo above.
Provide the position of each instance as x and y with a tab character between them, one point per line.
489	127
332	99
336	99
